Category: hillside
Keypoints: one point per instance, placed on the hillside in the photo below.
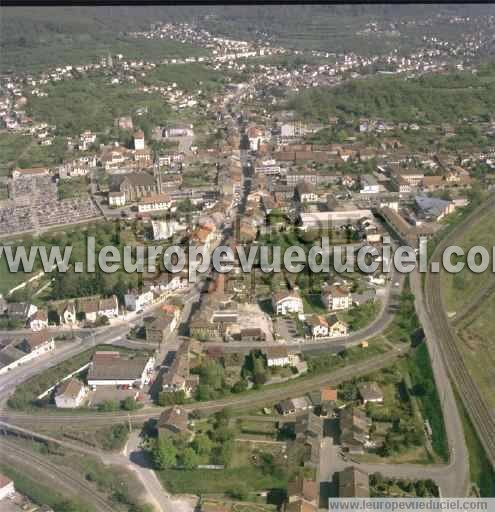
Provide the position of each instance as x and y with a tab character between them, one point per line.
427	99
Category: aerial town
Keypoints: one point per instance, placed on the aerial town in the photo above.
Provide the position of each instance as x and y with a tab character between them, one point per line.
245	391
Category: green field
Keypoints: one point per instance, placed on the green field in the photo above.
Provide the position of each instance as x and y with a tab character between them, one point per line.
94	104
218	481
429	99
82	51
419	367
11	146
189	77
41	491
460	289
480	468
477	346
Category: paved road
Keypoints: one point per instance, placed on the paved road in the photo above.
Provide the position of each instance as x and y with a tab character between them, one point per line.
137	461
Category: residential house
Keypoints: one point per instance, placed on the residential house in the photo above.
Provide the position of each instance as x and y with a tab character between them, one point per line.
337	298
286	407
17	351
172	421
158	329
300	505
328	400
286	302
353	483
370	392
135	300
317	325
305	193
39	321
63	311
7	489
20	311
277	356
178	377
94	307
354	429
303	488
70	394
155	203
337	327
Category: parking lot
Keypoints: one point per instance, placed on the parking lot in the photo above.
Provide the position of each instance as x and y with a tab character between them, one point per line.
286	328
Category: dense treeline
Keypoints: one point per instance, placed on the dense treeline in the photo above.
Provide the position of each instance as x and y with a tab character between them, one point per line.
435	98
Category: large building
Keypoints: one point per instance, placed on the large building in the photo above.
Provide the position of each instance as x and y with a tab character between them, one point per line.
111	369
333	219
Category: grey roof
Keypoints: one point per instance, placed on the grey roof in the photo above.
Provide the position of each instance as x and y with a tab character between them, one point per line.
431	206
118	368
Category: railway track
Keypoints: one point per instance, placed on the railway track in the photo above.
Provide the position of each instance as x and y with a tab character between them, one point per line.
472	399
268	396
63	477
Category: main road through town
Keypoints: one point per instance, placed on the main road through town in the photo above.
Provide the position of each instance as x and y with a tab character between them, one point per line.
446	362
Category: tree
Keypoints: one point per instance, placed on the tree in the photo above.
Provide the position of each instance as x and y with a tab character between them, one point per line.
190	459
202	444
164	453
129	404
239	386
109	406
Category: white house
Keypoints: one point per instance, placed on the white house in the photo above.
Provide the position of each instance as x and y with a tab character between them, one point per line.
336	327
7	488
139	140
70	394
369	184
286	302
135	300
39	320
277	356
116	199
370	392
155	203
336	298
318	326
24	349
94	307
109	307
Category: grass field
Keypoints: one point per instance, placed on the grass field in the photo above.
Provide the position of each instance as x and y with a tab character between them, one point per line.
481	471
475	332
419	367
218	481
39	490
459	289
189	77
93	104
83	52
11	146
9	280
477	346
